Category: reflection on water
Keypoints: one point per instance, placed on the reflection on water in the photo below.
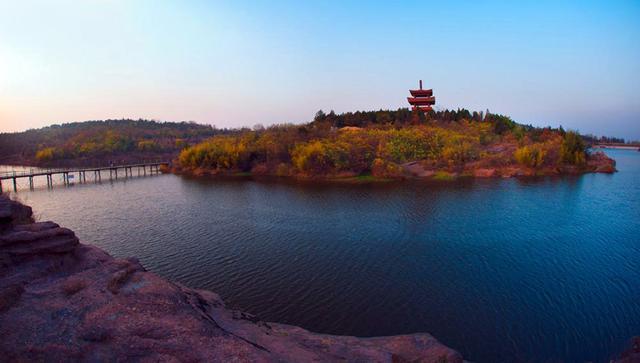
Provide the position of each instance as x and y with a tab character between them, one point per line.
502	270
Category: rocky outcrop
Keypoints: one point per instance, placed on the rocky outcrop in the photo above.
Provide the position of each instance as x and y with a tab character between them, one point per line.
599	162
61	300
632	354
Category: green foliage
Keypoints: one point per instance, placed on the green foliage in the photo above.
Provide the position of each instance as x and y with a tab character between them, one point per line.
572	150
531	156
501	123
220	152
320	157
404	145
460	152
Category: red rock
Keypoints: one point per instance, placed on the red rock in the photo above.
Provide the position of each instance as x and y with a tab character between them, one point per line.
484	173
599	162
65	301
632	354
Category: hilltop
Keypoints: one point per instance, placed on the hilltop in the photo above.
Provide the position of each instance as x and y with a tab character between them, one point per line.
98	142
391	144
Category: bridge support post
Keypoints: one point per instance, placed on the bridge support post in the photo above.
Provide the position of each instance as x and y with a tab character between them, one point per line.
116	173
31	182
15	184
0	186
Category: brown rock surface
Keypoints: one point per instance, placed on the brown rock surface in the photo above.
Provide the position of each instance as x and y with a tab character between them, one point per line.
601	163
484	172
65	301
632	354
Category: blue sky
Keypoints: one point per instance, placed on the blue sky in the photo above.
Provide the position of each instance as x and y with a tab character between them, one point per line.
239	63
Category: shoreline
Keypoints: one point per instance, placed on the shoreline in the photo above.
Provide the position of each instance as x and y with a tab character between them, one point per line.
63	300
618	147
410	172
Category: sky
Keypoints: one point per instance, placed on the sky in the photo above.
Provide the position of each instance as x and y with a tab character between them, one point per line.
240	63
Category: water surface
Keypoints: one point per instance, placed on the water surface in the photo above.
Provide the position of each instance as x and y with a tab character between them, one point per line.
501	270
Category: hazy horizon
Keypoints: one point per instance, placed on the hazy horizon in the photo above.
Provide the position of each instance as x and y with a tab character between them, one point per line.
231	65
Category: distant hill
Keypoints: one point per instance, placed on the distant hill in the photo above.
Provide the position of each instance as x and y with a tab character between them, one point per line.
100	142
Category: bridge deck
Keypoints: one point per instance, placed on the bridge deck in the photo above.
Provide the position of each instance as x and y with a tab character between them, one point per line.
40	172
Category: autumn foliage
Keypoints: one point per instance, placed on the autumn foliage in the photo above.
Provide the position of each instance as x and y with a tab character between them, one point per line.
382	143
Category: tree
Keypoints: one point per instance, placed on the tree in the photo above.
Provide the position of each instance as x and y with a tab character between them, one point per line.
320	116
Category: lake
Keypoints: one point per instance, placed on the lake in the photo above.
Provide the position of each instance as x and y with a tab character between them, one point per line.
501	270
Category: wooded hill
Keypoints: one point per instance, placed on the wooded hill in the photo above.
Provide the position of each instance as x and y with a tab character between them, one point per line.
396	144
99	142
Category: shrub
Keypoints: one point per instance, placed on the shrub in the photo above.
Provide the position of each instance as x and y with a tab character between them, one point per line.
459	153
319	157
412	144
46	154
385	169
501	124
220	152
531	156
572	150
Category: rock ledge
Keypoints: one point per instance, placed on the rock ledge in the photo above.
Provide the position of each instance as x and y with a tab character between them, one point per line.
61	300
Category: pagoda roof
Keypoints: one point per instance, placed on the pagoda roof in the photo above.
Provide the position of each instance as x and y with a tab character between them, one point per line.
421	101
421	92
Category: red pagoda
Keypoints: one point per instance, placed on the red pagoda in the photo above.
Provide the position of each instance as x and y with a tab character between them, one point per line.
421	99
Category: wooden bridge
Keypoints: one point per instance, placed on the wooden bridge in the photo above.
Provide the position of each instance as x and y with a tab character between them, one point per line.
68	173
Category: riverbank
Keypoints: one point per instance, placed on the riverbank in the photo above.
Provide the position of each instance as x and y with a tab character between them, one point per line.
62	300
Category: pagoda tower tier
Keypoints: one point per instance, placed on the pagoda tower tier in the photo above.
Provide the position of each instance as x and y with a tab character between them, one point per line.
421	99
